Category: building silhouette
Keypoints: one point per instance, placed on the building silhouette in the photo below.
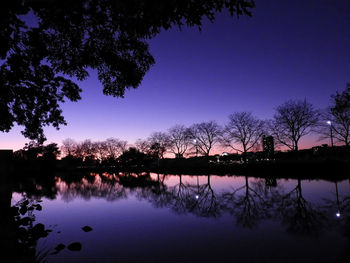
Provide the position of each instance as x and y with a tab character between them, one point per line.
268	146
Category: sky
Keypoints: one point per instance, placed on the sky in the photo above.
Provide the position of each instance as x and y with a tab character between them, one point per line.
291	49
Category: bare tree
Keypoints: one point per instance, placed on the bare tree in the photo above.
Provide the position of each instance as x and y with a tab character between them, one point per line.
88	149
292	121
101	150
159	144
115	147
142	146
204	136
242	129
337	118
68	147
108	149
179	140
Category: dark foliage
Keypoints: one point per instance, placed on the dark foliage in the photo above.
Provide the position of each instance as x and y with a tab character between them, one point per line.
340	116
45	43
23	232
34	151
133	158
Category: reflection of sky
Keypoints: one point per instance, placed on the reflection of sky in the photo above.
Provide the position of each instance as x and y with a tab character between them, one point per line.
288	50
132	229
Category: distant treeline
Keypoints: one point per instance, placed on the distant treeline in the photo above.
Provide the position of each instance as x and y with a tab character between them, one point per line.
317	162
248	137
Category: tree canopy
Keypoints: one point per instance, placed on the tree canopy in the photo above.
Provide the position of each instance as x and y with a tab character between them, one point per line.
339	115
204	136
243	129
293	120
46	43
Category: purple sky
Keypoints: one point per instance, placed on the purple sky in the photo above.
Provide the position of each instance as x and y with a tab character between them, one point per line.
291	49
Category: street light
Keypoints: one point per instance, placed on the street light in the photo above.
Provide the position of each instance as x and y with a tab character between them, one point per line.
331	131
195	142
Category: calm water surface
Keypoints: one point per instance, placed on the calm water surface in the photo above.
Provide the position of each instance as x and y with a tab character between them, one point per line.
172	218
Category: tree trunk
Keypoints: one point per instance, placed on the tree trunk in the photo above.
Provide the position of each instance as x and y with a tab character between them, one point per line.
296	146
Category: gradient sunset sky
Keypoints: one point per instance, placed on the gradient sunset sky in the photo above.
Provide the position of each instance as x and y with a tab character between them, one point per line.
291	49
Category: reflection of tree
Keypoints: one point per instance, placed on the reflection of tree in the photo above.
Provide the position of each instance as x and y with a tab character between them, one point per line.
18	230
97	186
180	194
252	202
248	207
339	209
339	215
197	199
182	197
22	234
133	181
270	182
298	214
345	209
205	201
157	193
36	185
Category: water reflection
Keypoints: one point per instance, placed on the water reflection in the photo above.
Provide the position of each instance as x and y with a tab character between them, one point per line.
105	186
20	232
299	215
248	202
183	197
251	202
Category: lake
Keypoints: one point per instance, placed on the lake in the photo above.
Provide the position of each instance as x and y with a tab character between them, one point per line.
128	217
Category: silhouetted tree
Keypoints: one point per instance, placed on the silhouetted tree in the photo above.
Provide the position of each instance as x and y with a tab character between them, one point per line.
159	143
65	38
50	152
142	146
204	136
292	121
103	151
111	149
133	157
88	150
68	147
242	129
336	121
32	150
179	140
